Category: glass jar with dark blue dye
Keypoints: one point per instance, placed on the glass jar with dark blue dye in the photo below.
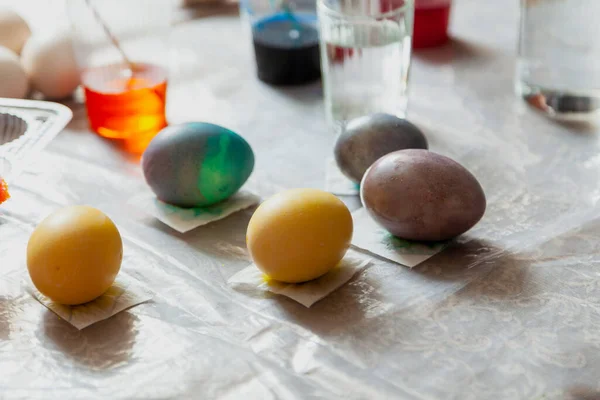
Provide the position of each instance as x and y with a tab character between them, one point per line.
286	40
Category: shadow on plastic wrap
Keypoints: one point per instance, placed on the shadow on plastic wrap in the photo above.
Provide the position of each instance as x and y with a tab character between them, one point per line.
208	239
452	271
104	345
582	393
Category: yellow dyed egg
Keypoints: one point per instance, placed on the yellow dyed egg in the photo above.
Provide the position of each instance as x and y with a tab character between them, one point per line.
74	255
299	235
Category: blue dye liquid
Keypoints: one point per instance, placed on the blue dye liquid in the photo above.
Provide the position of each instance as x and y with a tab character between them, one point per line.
287	49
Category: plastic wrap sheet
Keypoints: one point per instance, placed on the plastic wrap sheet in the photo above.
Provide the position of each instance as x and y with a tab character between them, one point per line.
509	311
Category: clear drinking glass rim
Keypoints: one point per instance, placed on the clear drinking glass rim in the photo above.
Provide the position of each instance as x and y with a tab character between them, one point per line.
321	6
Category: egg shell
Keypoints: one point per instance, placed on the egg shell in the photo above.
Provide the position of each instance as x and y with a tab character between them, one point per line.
366	139
74	255
14	31
14	82
197	164
421	195
50	62
299	234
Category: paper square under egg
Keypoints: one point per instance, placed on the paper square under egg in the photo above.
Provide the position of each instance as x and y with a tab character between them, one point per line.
371	237
125	293
186	219
307	293
337	183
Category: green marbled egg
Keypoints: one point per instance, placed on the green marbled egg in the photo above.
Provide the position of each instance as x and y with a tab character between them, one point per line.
197	164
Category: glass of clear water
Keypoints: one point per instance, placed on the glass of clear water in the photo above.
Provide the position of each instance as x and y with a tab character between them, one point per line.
559	56
365	57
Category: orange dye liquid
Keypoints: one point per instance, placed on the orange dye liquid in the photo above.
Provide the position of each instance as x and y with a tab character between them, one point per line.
3	191
125	104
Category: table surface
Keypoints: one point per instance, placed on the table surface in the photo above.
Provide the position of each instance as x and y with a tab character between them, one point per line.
510	311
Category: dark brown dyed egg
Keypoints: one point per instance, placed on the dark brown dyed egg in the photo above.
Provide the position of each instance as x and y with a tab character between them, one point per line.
421	195
366	139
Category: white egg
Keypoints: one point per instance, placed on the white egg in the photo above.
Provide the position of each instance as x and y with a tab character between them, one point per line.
14	31
13	82
50	64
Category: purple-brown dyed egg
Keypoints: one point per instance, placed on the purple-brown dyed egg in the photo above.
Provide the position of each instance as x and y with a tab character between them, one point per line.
366	139
421	195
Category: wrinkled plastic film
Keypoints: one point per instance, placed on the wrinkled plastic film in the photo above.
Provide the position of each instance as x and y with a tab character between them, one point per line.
520	289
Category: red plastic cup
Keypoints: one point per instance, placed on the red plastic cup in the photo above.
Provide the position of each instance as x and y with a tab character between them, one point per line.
431	23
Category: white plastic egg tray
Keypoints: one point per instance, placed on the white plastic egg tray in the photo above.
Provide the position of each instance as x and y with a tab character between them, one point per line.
26	127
